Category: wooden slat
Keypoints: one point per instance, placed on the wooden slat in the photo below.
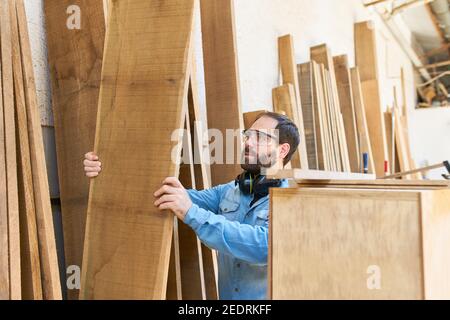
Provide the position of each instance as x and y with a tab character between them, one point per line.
345	91
366	60
390	138
284	103
289	73
321	139
306	92
142	101
75	59
202	174
44	216
221	79
10	151
191	260
316	175
361	121
401	144
30	259
4	234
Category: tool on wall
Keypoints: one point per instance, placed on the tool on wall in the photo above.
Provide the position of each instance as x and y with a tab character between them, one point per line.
445	164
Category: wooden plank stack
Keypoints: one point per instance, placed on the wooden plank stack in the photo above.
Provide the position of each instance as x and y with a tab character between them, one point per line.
28	265
338	109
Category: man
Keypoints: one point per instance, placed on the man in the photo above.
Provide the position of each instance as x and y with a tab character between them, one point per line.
233	218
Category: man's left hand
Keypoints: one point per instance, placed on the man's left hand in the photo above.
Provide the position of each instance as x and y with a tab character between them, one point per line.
174	197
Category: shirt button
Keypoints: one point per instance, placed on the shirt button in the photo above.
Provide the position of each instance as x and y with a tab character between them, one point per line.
238	265
236	289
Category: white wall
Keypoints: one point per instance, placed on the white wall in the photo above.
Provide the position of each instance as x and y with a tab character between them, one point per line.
259	23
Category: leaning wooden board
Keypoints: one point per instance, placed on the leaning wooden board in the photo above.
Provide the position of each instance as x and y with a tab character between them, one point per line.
142	101
289	73
401	234
366	60
75	60
44	216
10	151
30	259
221	79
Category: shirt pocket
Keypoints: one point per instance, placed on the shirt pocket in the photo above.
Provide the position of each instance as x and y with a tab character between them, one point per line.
262	218
229	209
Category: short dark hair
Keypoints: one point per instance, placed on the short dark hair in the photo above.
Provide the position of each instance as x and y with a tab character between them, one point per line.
288	132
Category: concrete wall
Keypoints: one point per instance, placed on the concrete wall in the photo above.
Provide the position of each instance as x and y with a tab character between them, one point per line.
259	23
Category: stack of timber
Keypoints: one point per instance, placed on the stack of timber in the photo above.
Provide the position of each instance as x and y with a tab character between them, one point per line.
76	62
338	110
28	256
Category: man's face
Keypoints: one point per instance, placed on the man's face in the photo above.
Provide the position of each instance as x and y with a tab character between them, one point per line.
260	145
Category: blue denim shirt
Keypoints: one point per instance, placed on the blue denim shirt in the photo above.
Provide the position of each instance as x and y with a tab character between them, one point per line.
224	221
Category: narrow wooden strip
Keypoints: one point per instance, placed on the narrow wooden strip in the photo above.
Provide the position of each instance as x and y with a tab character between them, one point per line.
322	154
142	102
366	60
222	79
44	216
345	91
10	151
306	92
286	53
30	259
202	174
4	234
284	103
361	120
75	60
401	144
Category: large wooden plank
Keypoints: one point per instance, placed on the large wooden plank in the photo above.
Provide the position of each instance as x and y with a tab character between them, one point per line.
30	258
345	91
365	147
366	60
142	101
44	216
221	79
10	151
75	61
289	73
306	92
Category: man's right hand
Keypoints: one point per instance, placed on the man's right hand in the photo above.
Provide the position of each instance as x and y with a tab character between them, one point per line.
92	165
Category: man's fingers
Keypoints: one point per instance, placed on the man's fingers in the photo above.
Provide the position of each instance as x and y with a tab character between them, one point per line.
91	174
167	206
164	199
91	156
90	163
166	189
174	182
92	169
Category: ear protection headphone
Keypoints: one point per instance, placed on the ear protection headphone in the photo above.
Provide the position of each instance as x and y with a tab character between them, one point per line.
257	185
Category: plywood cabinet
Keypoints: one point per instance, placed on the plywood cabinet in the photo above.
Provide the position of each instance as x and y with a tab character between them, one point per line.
359	244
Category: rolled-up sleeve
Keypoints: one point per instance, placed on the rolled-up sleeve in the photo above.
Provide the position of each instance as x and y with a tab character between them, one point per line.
245	242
